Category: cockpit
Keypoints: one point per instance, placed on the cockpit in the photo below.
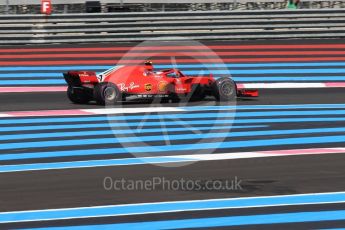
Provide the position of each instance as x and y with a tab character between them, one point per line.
173	73
149	71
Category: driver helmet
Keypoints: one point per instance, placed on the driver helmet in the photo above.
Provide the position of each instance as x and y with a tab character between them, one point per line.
148	65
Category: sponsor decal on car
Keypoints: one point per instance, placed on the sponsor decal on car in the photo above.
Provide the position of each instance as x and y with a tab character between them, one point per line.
103	75
99	77
162	86
181	89
84	74
131	86
148	87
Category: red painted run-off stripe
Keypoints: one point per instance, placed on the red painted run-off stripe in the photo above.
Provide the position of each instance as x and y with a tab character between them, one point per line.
28	89
304	151
335	84
49	113
206	60
172	54
196	47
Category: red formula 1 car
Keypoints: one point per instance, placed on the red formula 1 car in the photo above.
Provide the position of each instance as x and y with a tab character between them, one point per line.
119	82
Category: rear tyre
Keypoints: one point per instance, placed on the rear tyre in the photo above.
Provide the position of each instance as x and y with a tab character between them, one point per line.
198	93
77	97
175	98
123	97
165	100
224	89
106	93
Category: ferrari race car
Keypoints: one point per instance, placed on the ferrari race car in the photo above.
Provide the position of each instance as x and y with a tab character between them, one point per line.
120	82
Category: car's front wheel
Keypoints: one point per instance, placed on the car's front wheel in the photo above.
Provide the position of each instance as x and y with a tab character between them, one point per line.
224	89
106	93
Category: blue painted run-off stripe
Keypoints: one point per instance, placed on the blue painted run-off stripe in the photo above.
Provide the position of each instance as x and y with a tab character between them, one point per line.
120	132
176	148
33	82
131	209
19	78
171	123
177	116
44	82
205	137
92	163
213	222
203	72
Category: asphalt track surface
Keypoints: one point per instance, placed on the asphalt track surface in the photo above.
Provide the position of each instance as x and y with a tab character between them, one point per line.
58	100
68	188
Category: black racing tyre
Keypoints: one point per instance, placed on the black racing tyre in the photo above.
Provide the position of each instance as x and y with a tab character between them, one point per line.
165	100
174	97
77	97
198	93
224	89
106	93
123	97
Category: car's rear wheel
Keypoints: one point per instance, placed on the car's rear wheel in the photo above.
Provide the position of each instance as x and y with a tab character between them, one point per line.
224	89
197	93
106	93
77	97
173	96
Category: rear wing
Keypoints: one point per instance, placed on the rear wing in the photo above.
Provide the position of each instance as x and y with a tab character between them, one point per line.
78	78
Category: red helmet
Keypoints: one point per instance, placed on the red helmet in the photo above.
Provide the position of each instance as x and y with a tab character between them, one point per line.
148	65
